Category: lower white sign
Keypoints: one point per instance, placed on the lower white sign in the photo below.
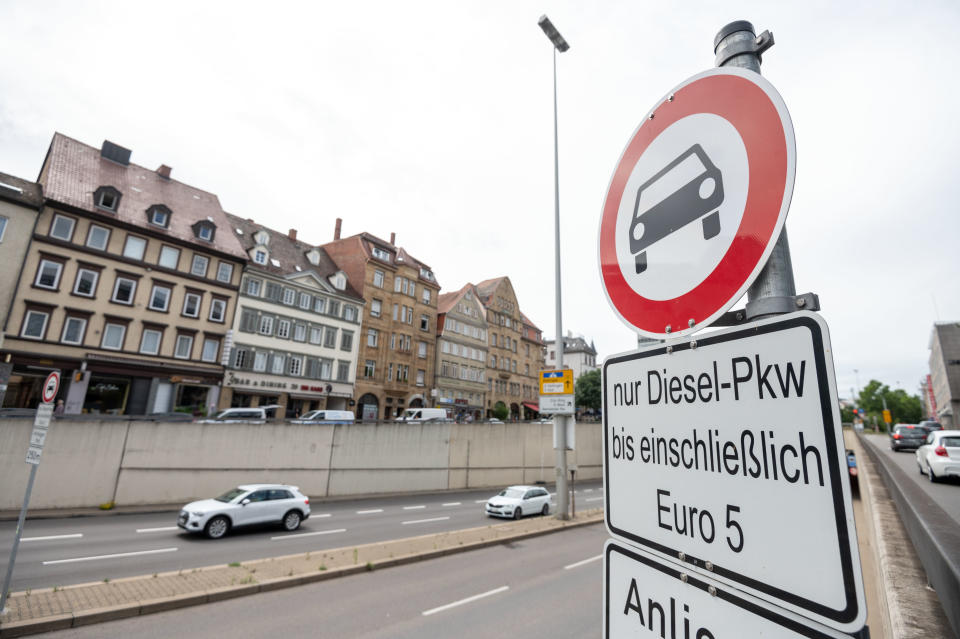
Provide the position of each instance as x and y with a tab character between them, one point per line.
725	453
556	404
33	455
645	597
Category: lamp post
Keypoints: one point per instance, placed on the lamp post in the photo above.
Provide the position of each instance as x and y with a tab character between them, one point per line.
559	421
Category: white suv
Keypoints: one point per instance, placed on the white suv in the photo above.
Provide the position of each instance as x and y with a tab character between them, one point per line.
246	505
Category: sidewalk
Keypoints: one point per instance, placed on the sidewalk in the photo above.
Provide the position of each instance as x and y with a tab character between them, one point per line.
48	609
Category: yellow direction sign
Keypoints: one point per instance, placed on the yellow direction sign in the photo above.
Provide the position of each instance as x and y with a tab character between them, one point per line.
556	382
887	417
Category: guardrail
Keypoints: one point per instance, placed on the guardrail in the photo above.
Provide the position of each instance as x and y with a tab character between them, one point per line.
934	534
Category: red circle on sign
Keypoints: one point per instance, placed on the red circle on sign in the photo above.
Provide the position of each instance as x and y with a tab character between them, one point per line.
50	387
764	126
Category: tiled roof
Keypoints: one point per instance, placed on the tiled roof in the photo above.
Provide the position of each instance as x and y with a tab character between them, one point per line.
447	301
20	191
486	288
286	255
528	321
77	170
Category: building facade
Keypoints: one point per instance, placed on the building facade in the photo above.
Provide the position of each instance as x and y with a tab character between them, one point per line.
296	332
461	355
578	356
514	352
945	372
397	354
20	204
129	287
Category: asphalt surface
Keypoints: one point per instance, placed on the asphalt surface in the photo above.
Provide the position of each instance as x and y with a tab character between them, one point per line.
60	552
945	493
544	587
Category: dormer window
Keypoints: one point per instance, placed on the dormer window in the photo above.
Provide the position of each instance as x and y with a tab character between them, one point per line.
260	256
313	256
426	274
107	198
340	281
204	230
159	215
380	254
261	237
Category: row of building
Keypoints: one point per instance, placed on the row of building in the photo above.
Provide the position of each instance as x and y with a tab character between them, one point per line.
150	298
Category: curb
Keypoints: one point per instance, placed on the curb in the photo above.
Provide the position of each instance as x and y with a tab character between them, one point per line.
133	609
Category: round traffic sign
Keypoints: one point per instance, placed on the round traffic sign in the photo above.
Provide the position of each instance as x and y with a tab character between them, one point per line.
697	202
50	387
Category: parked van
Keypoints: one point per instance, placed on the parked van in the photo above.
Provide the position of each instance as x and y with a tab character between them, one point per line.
325	417
420	415
250	415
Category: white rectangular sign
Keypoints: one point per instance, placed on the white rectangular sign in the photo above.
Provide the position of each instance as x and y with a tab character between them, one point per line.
38	437
645	597
44	412
726	449
33	455
556	404
552	387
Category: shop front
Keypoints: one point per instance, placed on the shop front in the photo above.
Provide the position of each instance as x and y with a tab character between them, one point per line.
295	396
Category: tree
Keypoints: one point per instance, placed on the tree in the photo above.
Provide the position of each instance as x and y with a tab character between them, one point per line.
500	410
903	408
587	390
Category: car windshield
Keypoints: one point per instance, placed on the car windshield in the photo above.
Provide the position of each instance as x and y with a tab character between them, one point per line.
951	442
513	493
311	415
230	495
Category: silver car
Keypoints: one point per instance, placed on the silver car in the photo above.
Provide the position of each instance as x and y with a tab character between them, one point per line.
939	456
517	501
246	505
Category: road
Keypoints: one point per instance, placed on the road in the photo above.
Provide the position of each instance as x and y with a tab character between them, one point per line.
946	493
60	552
544	587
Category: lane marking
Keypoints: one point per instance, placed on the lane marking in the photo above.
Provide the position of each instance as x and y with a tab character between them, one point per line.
480	501
594	499
119	554
309	534
588	490
413	507
371	511
581	563
48	537
427	613
452	503
164	529
423	521
321	515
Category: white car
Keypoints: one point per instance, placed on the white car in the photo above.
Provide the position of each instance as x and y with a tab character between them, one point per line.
250	415
517	501
939	456
244	506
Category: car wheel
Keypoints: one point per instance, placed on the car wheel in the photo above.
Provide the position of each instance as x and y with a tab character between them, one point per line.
217	527
291	521
545	510
920	467
517	513
933	478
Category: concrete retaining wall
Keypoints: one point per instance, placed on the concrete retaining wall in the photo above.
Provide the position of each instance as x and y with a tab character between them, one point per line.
87	463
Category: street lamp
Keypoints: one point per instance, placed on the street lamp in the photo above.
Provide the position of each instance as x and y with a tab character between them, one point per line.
559	421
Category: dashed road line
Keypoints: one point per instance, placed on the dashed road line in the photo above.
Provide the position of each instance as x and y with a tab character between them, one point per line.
423	521
581	563
309	534
163	529
413	507
452	503
51	537
370	512
427	613
114	556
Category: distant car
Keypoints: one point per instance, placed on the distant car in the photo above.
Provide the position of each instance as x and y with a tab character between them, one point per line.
929	425
493	420
939	457
517	501
244	506
326	417
906	436
249	415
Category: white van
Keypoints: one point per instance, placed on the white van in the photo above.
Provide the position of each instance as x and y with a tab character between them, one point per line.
325	417
420	415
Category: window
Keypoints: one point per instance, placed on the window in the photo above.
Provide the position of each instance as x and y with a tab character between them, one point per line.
316	334
266	325
283	329
343	371
378	279
62	227
350	313
375	308
396	312
319	304
211	346
204	230
224	272
218	310
134	247
424	323
369	368
340	281
159	298
184	347
191	305
278	362
326	368
380	254
3	226
273	291
241	359
260	256
97	237
300	332
296	366
248	320
372	335
199	266
123	290
107	197
35	325
426	295
169	257
159	215
346	341
86	283
420	376
334	308
48	275
260	361
304	301
330	337
150	341
422	349
253	287
113	335
289	296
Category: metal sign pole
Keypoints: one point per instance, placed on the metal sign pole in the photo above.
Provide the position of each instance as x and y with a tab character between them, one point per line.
16	540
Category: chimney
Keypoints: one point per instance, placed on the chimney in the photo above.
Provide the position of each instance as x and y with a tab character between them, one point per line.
164	171
336	230
292	234
393	239
115	152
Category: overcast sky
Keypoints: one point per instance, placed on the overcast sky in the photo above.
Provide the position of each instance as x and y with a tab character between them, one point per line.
434	120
